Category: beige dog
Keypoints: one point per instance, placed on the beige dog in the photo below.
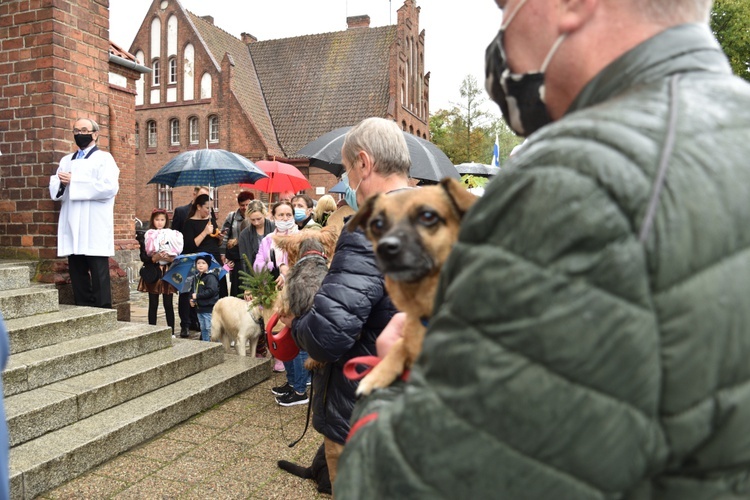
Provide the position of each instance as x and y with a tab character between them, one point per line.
235	320
412	233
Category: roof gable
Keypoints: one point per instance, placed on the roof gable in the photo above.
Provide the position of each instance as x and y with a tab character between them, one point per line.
316	83
244	84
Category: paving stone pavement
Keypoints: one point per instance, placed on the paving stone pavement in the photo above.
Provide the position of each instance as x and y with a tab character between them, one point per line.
227	452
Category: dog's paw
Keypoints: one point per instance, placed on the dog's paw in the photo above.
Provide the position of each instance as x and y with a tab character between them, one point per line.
375	380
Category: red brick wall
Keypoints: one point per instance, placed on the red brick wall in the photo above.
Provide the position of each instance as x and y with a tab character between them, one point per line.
53	68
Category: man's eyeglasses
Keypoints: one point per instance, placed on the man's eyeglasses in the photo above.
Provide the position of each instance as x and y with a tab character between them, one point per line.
77	131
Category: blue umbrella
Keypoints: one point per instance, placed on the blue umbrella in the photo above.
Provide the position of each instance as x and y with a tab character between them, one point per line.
338	188
181	273
207	167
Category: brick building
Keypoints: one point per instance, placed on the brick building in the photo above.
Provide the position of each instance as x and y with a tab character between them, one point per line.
266	99
56	64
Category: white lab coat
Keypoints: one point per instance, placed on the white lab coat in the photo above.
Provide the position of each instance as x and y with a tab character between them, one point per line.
86	225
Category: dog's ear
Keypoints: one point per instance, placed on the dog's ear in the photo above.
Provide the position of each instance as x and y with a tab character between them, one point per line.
461	199
363	214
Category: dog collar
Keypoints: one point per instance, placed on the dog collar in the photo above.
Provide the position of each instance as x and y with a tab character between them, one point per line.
311	254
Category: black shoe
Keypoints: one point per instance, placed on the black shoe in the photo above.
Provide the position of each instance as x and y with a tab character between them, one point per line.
184	333
282	390
292	399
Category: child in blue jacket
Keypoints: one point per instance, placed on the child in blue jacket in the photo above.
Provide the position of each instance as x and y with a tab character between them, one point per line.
205	296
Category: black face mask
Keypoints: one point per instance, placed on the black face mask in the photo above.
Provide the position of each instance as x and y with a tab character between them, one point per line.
520	96
83	140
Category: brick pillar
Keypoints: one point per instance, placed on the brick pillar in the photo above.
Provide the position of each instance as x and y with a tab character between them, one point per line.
54	64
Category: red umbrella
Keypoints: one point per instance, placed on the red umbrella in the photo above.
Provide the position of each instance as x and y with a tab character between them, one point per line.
282	177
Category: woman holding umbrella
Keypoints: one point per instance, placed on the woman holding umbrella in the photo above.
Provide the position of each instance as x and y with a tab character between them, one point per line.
200	233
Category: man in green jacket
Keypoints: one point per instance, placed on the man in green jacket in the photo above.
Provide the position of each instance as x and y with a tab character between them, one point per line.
592	329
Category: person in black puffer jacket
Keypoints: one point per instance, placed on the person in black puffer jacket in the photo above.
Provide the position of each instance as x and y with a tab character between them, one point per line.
352	307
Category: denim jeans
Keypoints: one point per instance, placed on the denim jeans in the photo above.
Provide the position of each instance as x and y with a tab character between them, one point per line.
296	374
205	321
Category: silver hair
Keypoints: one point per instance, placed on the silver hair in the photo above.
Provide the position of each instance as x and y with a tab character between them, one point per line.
676	11
94	125
381	139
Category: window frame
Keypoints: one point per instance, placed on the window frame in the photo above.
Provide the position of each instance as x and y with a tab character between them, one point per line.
174	132
155	73
152	133
213	129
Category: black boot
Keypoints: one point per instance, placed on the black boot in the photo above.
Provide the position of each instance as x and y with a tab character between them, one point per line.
184	333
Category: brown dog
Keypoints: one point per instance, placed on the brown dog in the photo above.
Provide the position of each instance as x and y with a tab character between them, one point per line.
412	231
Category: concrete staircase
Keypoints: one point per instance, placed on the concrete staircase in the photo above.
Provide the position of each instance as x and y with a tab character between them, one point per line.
81	387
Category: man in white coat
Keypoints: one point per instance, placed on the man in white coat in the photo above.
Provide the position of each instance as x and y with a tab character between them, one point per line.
86	182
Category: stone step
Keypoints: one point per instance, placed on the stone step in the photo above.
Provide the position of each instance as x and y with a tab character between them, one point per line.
70	322
35	299
48	461
29	265
34	413
39	367
12	277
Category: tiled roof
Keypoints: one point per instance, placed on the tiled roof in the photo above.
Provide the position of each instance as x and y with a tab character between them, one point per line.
118	51
244	84
316	83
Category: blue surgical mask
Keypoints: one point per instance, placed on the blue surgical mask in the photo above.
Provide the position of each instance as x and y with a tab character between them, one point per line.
300	214
350	196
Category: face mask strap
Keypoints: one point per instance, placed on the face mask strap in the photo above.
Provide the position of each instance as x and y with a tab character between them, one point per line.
506	22
552	51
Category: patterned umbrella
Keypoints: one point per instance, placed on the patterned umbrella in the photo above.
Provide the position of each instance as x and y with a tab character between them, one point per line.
181	273
207	167
428	162
282	177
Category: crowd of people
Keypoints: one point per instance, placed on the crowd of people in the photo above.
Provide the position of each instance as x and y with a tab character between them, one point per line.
591	333
246	236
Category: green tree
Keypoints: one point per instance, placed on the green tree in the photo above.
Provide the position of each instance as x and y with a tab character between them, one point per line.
731	26
466	132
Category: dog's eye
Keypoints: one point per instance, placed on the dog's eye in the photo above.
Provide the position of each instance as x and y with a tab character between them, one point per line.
428	218
377	225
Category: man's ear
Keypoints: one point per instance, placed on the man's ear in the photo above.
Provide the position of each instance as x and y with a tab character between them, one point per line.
367	163
575	13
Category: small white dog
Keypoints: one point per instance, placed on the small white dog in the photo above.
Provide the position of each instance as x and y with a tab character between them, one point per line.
235	320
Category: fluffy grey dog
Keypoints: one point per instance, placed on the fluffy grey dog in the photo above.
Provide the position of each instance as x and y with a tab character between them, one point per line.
305	276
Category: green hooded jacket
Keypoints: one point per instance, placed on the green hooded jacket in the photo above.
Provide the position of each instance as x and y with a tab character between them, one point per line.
591	336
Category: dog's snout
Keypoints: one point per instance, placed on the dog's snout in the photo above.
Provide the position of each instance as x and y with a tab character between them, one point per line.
389	247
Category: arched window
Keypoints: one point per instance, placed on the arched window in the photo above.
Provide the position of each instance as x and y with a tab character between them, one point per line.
174	132
151	125
155	38
137	137
206	86
213	129
195	136
155	72
188	79
172	70
140	82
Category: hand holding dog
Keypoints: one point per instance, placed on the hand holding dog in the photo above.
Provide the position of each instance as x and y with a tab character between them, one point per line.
392	332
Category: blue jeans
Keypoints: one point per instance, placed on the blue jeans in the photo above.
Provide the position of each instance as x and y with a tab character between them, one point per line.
205	321
296	374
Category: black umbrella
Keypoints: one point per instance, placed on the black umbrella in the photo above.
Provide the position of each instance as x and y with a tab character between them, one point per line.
207	167
428	162
477	169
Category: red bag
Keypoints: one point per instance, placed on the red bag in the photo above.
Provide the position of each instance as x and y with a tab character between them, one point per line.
281	345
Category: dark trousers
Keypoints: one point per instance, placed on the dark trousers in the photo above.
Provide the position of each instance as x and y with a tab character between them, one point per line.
153	306
89	276
188	315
